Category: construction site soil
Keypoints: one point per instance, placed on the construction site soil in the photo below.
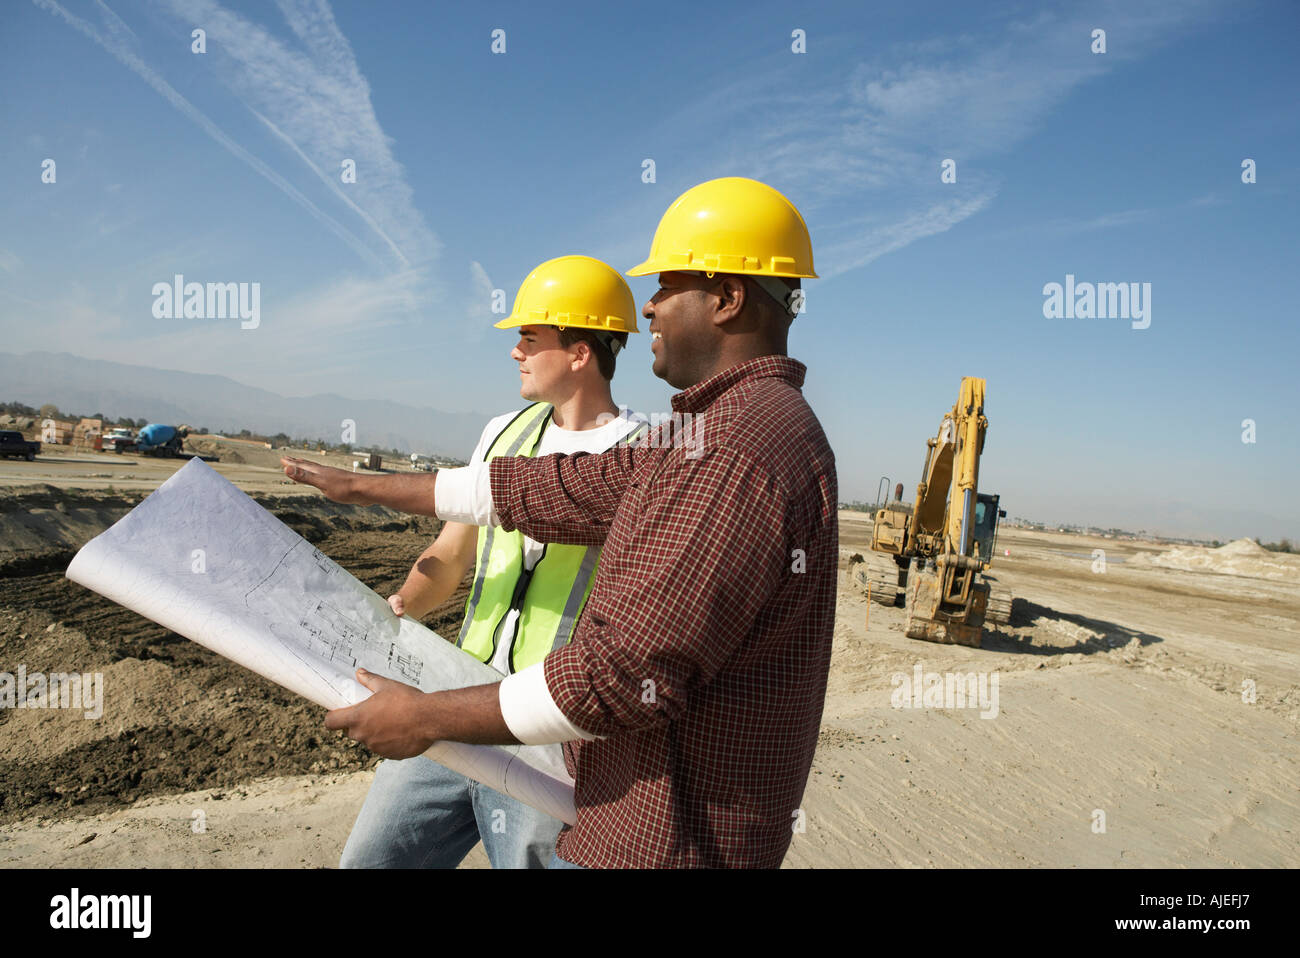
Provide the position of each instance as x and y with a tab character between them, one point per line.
1160	687
177	716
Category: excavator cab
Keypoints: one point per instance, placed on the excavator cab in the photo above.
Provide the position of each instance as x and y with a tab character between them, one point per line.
1000	601
987	515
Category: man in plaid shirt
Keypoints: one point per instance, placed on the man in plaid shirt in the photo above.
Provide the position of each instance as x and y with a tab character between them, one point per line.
691	693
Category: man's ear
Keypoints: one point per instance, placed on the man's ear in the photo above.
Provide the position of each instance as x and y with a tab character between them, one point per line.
732	297
581	351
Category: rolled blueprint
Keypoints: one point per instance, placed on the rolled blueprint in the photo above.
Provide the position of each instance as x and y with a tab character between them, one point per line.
201	558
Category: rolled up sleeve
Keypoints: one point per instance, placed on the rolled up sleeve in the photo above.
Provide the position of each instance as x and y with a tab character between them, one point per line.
531	714
698	568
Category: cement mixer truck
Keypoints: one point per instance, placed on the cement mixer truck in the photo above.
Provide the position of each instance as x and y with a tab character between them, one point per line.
164	441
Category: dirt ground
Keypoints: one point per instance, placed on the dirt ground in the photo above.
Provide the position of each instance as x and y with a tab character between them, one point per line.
1119	703
176	717
1120	706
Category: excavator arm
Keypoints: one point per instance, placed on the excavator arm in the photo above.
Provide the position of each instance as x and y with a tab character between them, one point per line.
944	517
946	601
971	426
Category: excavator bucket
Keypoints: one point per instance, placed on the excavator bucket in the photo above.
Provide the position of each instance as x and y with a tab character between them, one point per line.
927	620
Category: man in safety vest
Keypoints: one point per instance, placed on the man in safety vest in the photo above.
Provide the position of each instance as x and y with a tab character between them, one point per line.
573	315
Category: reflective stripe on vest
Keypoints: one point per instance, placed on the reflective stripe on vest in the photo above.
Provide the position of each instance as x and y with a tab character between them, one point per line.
550	596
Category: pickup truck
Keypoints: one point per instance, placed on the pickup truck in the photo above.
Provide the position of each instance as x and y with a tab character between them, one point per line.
13	444
118	440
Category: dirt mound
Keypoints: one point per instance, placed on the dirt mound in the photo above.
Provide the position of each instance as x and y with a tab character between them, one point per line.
1242	547
175	717
40	518
246	453
224	451
1241	557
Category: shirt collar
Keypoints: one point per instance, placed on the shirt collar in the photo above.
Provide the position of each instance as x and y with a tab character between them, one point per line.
702	395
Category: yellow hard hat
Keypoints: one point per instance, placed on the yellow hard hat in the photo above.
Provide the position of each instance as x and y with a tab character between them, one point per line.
731	225
574	292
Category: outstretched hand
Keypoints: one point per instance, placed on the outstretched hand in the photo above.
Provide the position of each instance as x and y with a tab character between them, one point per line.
336	484
389	723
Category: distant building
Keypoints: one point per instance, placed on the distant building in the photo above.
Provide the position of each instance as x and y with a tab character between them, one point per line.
88	432
57	432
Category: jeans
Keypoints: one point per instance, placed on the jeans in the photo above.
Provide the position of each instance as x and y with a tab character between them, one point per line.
419	814
558	862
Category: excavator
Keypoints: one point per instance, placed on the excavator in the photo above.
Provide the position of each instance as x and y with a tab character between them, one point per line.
937	552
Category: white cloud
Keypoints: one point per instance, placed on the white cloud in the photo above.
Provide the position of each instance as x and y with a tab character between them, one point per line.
866	150
870	245
480	302
116	25
306	90
318	103
115	45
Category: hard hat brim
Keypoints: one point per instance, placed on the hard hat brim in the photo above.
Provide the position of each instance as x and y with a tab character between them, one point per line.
650	267
644	269
513	322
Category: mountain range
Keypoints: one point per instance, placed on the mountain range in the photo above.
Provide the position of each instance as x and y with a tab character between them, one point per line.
80	386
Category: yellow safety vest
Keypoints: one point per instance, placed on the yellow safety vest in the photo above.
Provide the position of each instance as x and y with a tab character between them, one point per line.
550	596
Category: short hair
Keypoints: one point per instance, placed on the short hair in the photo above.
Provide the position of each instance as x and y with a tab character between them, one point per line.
605	360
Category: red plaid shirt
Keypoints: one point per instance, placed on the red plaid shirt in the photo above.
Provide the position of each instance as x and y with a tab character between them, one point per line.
703	650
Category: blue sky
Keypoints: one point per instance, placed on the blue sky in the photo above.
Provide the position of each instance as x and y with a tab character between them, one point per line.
472	167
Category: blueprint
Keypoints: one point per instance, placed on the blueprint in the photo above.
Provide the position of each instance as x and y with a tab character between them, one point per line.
201	558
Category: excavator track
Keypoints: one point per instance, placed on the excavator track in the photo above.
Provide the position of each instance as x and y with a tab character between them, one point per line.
1000	605
877	576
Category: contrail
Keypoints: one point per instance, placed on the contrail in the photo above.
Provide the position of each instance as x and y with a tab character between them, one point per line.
135	64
